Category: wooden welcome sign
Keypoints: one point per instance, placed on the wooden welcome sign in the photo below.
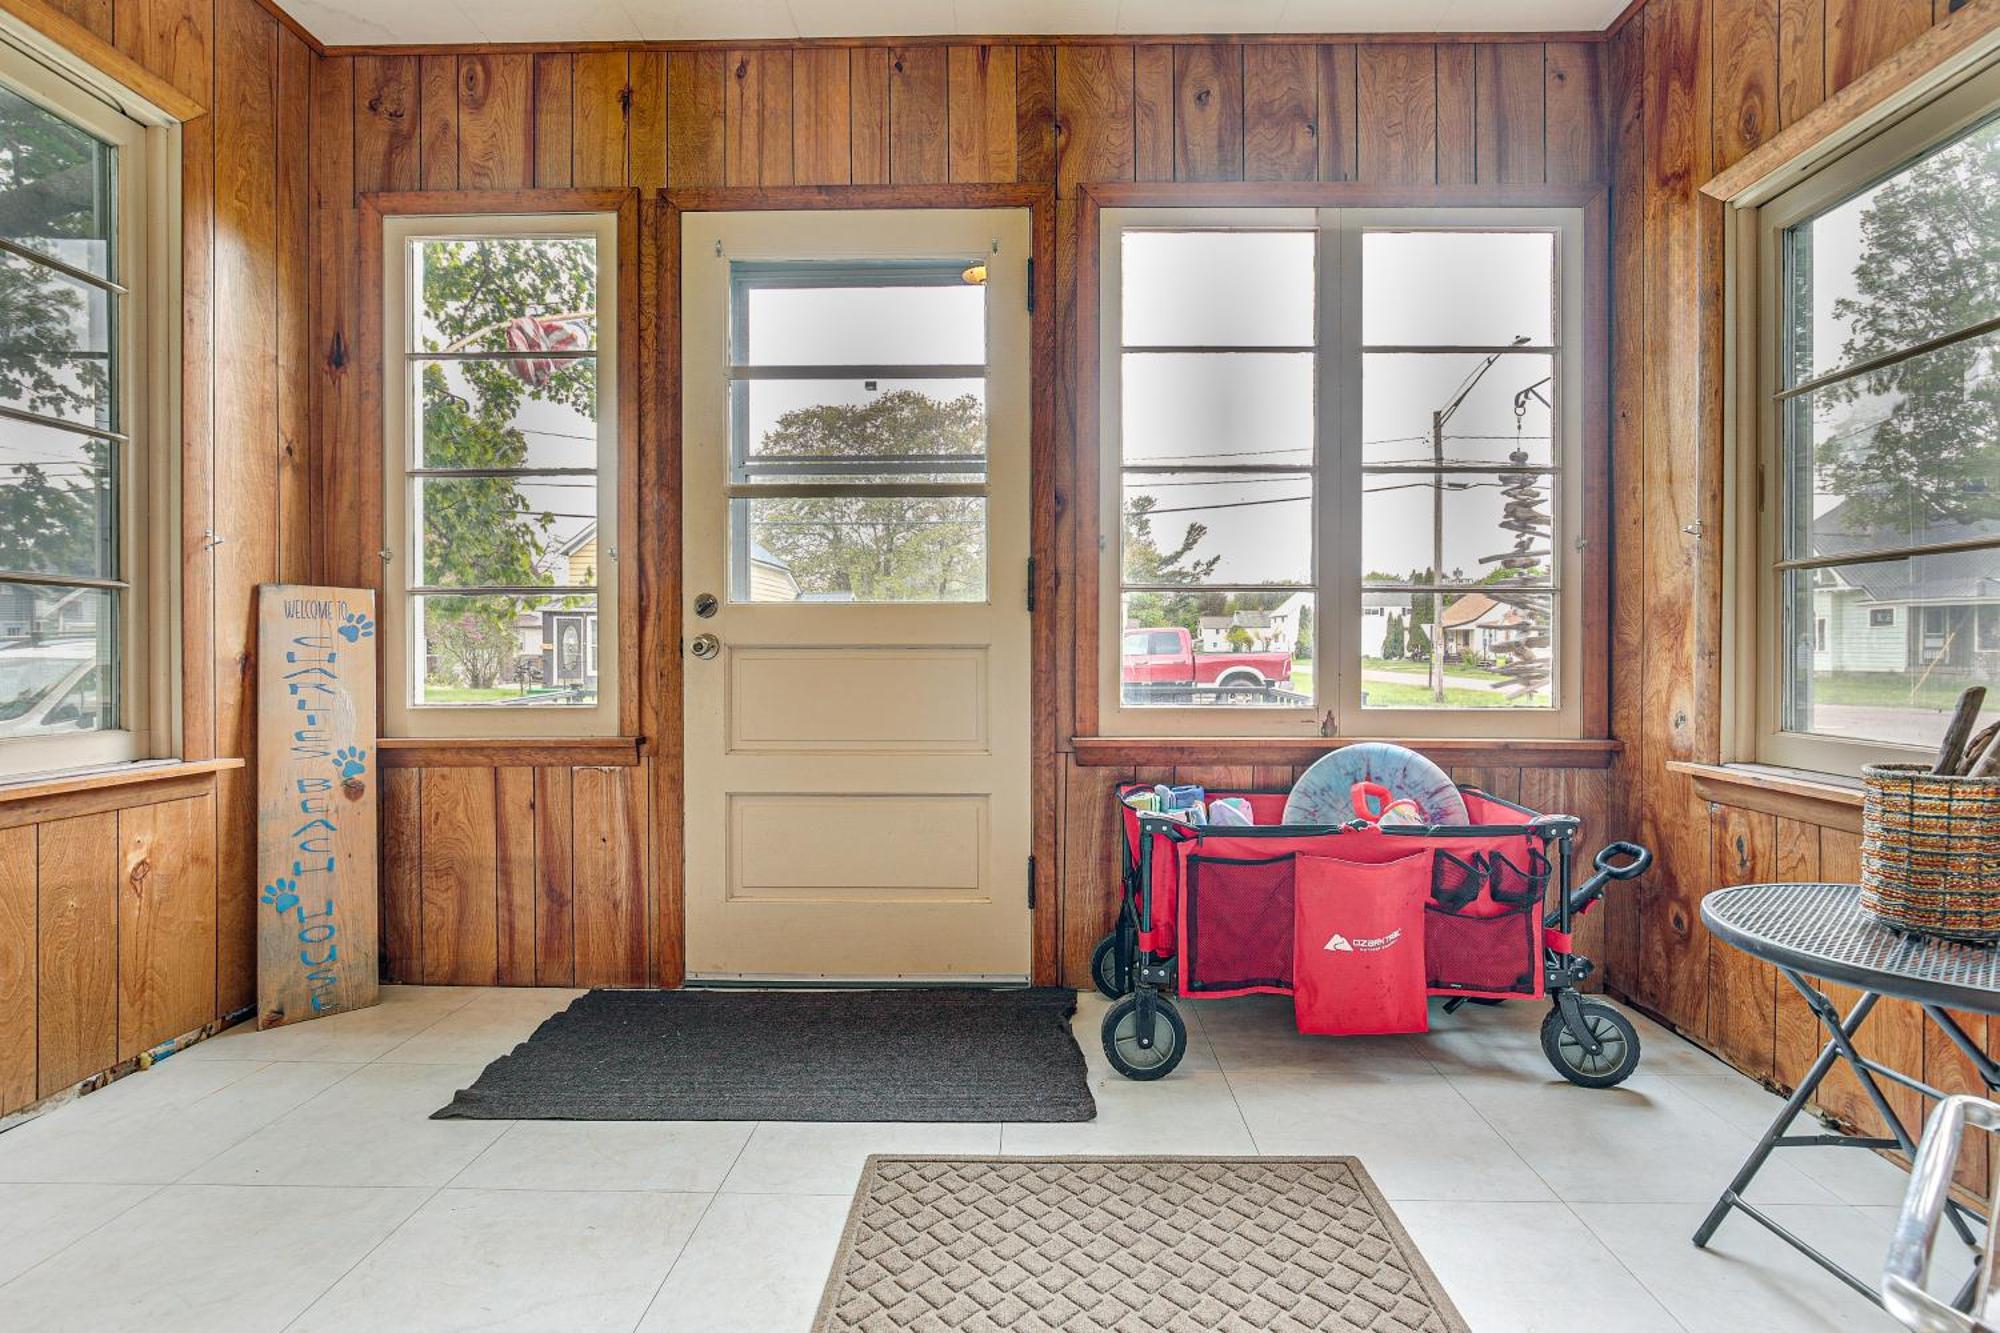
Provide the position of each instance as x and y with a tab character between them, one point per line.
316	802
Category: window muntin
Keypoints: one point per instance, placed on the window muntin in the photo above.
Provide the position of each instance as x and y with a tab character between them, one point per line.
857	425
1885	439
76	602
1322	448
503	452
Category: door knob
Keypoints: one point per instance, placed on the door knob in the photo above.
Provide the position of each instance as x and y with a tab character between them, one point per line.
705	646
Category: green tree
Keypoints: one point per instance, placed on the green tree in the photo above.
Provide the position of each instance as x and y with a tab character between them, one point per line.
485	530
1239	639
1929	264
55	505
1418	647
917	548
1147	561
1393	638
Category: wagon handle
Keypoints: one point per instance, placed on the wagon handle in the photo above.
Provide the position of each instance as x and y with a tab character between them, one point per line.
1909	1254
1638	861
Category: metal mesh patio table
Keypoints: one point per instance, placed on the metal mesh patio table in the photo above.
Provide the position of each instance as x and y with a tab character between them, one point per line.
1821	931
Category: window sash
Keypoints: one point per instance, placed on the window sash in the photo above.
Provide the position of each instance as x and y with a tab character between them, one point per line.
404	615
1760	612
1336	584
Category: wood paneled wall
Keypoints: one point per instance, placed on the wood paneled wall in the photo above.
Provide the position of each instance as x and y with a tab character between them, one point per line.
144	917
928	114
1690	87
109	938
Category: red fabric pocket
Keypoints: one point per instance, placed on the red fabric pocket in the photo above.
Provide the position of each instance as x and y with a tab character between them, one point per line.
1358	945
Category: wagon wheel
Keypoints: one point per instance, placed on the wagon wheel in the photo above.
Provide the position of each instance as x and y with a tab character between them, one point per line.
1112	981
1121	1040
1618	1043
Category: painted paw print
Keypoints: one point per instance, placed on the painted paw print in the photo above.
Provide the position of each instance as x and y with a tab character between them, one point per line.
355	627
352	761
282	894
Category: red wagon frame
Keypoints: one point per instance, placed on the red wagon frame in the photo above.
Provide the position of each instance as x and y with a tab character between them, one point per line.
1490	934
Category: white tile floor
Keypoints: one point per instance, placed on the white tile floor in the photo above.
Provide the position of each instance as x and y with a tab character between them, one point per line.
292	1180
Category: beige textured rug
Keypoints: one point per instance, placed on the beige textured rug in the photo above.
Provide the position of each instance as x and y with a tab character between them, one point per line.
1127	1245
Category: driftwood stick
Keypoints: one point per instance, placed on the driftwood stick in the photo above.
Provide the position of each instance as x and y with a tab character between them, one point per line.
1960	730
1976	748
1988	765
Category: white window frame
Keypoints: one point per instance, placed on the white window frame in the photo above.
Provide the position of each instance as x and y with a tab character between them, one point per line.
1755	428
1337	481
401	717
147	267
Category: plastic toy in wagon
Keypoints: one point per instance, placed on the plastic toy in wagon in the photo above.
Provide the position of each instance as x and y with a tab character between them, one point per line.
1370	887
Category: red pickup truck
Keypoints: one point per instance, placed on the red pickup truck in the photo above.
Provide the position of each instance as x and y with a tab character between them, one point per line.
1163	662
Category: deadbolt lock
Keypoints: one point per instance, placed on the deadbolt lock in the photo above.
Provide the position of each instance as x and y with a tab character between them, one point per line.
704	605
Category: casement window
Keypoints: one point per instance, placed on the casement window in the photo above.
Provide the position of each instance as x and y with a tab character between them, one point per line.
501	435
1874	400
1339	488
86	479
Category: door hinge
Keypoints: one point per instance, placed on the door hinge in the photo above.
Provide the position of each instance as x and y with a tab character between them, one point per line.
1031	583
1031	285
1031	884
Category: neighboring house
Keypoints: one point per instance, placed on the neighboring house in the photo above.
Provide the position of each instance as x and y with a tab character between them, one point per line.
1376	609
1273	631
1940	612
1475	624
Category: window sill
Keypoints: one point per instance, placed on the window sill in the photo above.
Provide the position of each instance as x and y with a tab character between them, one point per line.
509	752
1151	751
30	799
1794	793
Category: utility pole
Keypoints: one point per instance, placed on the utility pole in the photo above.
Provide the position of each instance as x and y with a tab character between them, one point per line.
1437	548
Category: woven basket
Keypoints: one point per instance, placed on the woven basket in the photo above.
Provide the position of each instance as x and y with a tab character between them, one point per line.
1930	852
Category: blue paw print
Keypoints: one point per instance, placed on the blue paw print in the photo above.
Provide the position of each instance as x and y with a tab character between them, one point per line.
355	627
282	894
352	761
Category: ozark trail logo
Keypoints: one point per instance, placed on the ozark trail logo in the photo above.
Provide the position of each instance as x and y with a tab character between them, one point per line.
1341	944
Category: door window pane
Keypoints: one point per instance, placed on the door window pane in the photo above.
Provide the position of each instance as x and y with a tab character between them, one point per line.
873	322
861	547
523	294
830	427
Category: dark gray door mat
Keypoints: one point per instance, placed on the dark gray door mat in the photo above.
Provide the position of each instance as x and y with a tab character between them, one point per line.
1161	1244
933	1055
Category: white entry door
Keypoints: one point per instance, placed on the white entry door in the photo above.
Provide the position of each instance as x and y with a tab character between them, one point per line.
855	547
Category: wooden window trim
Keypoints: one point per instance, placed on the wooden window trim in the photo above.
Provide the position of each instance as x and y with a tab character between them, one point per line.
509	752
375	208
1594	613
1787	792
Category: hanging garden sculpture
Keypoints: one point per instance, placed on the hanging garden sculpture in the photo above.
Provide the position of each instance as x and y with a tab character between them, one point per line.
1532	559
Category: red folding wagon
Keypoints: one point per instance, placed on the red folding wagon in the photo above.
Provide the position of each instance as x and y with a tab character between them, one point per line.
1361	924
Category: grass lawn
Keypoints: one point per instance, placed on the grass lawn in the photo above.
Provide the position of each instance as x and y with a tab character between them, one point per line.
459	694
1419	696
1886	689
1302	677
1406	667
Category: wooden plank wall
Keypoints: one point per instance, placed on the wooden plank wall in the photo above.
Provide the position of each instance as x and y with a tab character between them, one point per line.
142	918
1690	87
916	114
